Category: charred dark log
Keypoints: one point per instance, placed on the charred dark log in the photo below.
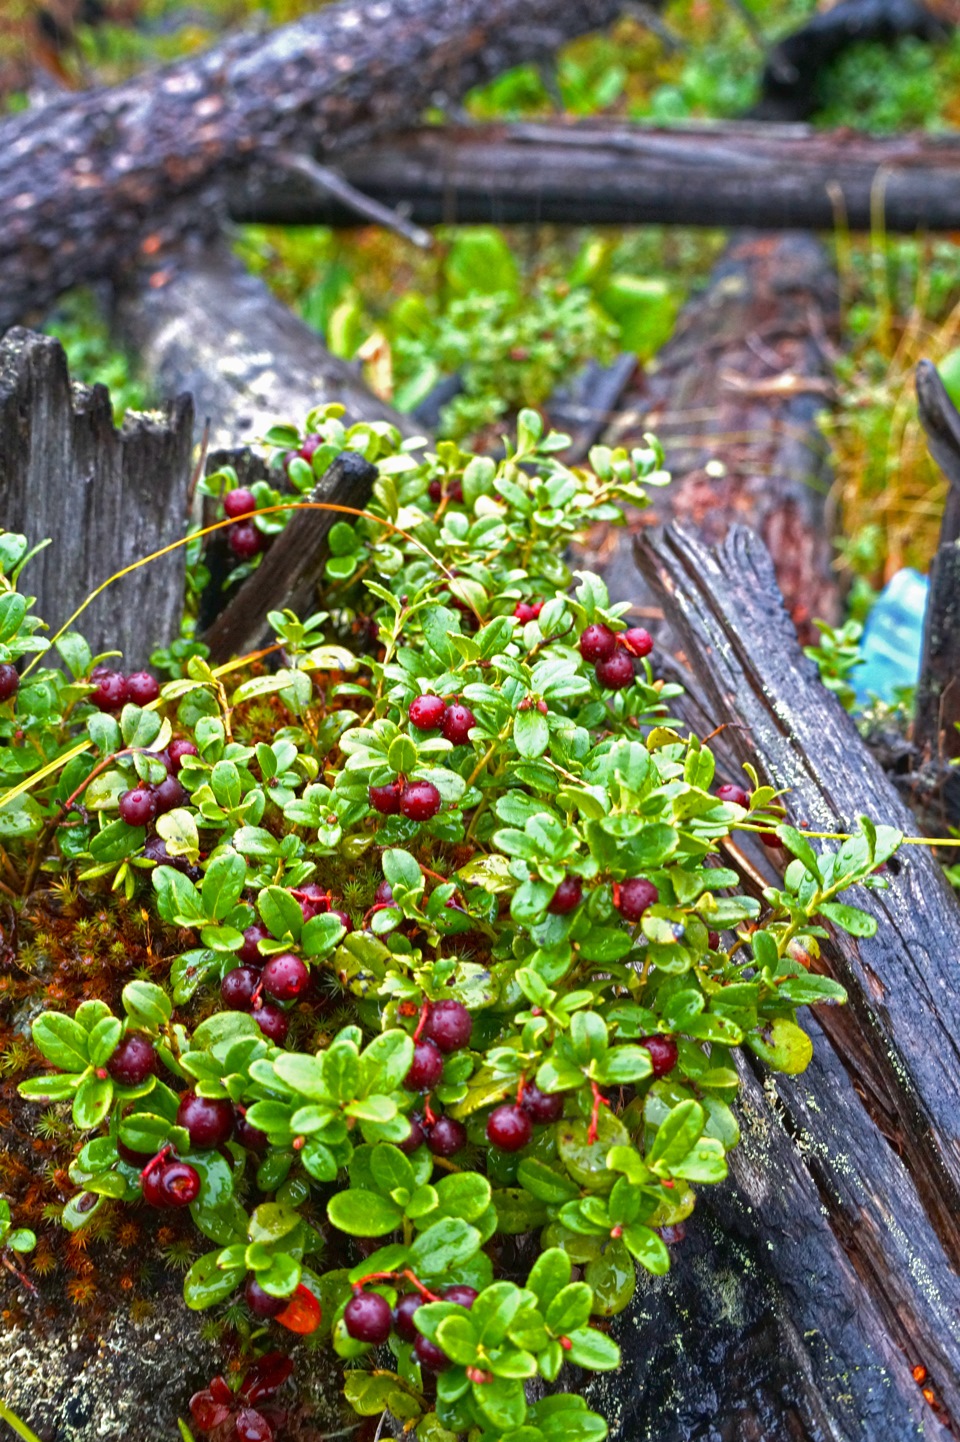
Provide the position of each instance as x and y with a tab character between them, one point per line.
90	181
607	173
734	399
938	689
104	498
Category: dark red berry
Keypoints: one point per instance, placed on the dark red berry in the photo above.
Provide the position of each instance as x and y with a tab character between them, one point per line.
172	1184
244	540
238	986
251	1426
9	681
633	897
416	1138
311	444
426	712
368	1318
435	491
260	1302
449	1026
138	806
674	1234
342	917
446	1137
132	1158
239	502
169	794
142	688
771	840
273	1023
541	1106
597	643
429	1355
313	900
663	1053
111	691
178	751
383	896
457	723
637	641
133	1061
735	795
386	798
713	940
208	1120
285	976
567	896
509	1128
403	1316
426	1068
250	953
525	612
250	1136
616	672
420	801
463	1295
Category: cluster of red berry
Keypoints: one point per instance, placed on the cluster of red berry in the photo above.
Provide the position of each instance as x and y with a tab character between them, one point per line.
143	802
611	654
113	689
243	538
420	800
9	681
368	1317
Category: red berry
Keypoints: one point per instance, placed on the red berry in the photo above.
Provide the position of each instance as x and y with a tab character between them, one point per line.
597	643
735	795
463	1295
525	612
429	1355
249	952
285	976
132	1158
342	917
633	897
567	896
446	1137
435	491
403	1316
169	794
541	1106
426	712
111	691
9	681
260	1302
244	540
178	751
178	1185
313	900
771	840
713	940
426	1068
251	1426
616	672
673	1234
138	806
368	1318
416	1138
663	1053
238	986
383	896
311	444
420	801
133	1061
273	1023
457	723
250	1136
142	688
509	1128
448	1025
637	641
386	799
239	502
208	1120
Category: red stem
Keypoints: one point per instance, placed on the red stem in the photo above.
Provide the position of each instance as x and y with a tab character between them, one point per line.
599	1100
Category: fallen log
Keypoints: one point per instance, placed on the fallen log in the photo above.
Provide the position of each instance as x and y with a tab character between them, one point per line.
598	172
820	1293
938	688
90	181
107	497
734	397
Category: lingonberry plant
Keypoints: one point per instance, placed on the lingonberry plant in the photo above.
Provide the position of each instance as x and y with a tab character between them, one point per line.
444	951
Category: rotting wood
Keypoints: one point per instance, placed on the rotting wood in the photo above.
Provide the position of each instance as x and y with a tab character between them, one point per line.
937	716
288	574
602	172
103	497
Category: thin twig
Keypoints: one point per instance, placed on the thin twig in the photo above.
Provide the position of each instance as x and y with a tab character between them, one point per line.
325	179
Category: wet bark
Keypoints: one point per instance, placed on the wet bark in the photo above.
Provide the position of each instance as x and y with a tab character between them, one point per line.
938	688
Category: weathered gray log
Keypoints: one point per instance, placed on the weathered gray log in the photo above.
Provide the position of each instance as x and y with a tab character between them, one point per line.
216	331
938	688
90	181
598	172
812	1283
103	497
734	397
289	572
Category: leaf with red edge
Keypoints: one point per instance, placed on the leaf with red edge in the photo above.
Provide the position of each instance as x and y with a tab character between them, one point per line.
266	1376
252	1426
302	1313
206	1412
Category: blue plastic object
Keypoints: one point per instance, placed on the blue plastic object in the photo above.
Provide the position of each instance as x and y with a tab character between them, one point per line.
892	638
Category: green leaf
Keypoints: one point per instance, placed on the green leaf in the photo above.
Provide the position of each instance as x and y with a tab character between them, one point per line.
545	1183
531	734
320	935
649	1249
501	1401
62	1041
102	1040
549	1275
444	1245
464	1194
849	918
783	1045
593	1350
458	1337
363	1214
280	912
92	1102
677	1135
223	884
569	1309
147	1005
388	1058
116	841
20	818
206	1283
271	1221
49	1088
